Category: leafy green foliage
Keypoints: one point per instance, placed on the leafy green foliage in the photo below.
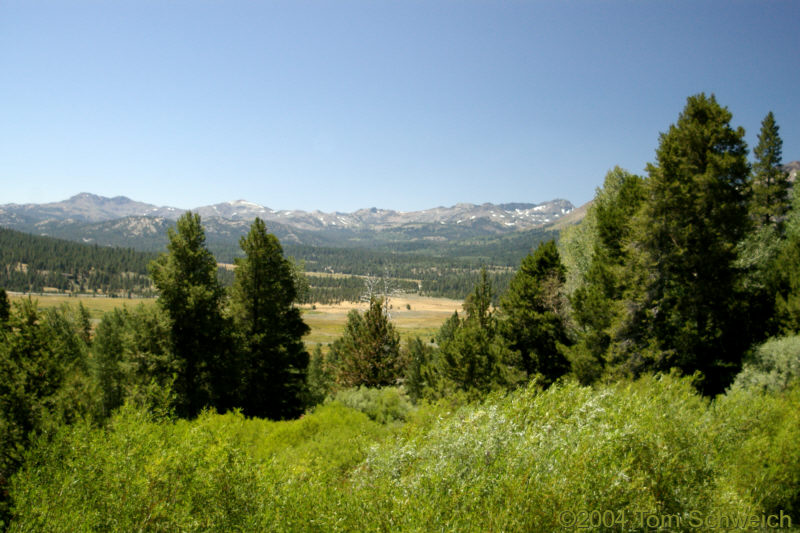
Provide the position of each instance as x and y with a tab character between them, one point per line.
772	366
384	405
272	360
569	448
43	358
215	473
759	435
138	474
514	462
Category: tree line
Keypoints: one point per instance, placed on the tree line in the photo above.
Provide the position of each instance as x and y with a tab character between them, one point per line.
30	263
201	346
683	270
33	264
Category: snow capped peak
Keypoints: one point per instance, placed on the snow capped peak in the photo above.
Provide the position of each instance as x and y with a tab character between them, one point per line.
245	203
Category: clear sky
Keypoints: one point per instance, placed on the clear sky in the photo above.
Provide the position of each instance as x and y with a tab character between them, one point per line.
343	104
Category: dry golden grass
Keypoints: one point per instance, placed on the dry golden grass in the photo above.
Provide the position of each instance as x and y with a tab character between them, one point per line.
326	321
423	319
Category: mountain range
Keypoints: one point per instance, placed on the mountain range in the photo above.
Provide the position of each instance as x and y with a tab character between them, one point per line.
120	221
90	208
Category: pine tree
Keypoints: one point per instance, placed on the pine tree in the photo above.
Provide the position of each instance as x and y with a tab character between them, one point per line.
272	361
598	303
534	313
319	381
784	282
690	225
420	377
478	304
191	295
770	184
5	308
368	353
473	356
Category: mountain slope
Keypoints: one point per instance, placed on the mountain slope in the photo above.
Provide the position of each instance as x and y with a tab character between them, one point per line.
33	263
120	221
90	208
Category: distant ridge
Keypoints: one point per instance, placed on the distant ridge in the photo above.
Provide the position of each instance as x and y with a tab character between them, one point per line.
792	169
87	207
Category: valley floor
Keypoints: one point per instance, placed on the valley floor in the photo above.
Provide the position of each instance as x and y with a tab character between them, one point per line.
326	321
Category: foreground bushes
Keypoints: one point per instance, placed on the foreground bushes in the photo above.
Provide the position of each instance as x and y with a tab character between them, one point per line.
512	463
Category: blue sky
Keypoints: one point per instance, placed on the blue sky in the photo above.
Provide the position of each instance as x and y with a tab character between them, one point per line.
338	105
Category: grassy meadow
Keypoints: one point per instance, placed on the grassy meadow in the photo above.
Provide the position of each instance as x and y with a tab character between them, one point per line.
96	305
423	319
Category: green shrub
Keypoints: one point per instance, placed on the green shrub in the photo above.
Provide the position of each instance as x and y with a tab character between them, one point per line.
137	474
383	405
514	462
215	473
757	438
772	366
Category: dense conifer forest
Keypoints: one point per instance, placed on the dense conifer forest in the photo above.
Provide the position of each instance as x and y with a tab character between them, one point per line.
37	264
31	263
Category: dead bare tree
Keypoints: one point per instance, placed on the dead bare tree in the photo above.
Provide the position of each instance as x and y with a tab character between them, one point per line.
382	287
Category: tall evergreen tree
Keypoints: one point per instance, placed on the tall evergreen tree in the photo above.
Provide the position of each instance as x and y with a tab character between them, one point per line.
598	303
273	360
42	382
695	215
784	282
534	313
5	307
368	353
420	377
473	356
764	251
770	185
191	295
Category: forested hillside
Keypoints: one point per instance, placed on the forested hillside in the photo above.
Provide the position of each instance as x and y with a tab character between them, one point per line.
30	263
450	269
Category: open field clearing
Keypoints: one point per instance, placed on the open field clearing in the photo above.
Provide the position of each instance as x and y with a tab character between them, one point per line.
96	305
326	321
423	319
